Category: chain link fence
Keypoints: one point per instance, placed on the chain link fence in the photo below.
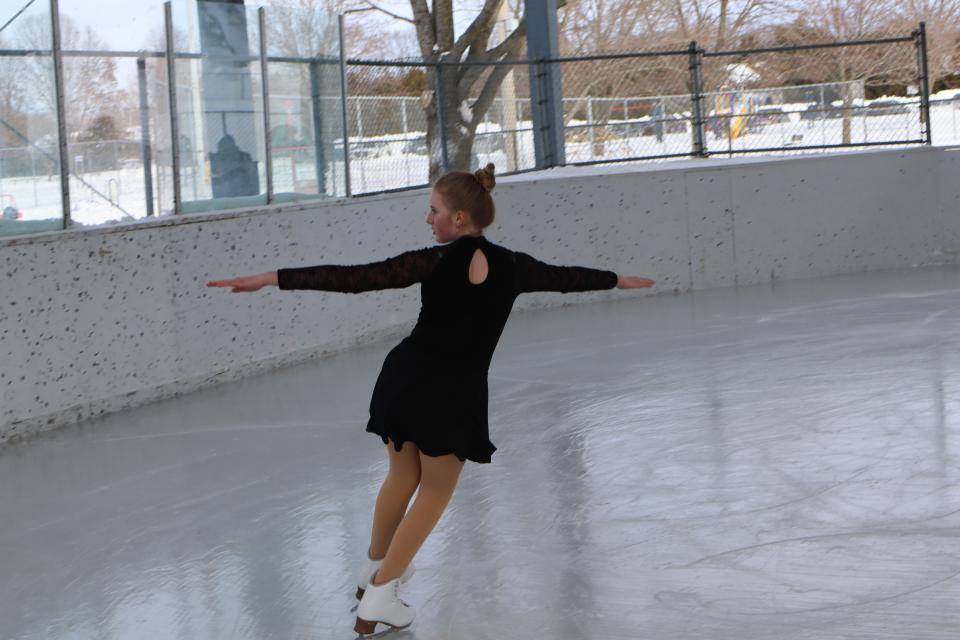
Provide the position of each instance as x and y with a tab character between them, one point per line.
627	107
749	108
646	106
310	124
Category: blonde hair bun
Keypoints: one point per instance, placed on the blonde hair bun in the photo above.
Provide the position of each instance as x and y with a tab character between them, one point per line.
486	177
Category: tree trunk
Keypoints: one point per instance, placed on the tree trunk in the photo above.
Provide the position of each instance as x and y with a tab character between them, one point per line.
457	137
435	35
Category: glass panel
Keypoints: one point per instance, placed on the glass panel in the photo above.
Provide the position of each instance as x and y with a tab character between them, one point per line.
116	112
219	105
30	193
306	122
387	127
110	141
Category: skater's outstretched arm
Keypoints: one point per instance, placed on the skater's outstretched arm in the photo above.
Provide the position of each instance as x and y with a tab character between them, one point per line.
247	284
534	275
393	273
634	282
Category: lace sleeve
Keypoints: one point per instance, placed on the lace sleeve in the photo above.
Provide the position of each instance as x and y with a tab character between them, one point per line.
533	275
393	273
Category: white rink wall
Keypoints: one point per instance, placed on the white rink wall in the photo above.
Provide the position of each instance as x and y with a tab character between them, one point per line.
103	319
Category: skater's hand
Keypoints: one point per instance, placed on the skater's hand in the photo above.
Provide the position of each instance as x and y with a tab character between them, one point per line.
247	284
633	282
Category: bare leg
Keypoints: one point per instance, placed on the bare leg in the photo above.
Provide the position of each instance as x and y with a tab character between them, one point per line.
438	479
398	487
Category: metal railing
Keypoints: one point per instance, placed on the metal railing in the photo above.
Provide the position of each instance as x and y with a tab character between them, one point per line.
755	119
399	141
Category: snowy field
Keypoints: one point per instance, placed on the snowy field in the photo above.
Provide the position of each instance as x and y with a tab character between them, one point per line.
379	164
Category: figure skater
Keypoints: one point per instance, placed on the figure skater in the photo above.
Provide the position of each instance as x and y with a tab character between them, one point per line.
429	404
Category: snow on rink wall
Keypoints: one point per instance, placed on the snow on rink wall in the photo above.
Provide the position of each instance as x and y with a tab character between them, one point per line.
102	319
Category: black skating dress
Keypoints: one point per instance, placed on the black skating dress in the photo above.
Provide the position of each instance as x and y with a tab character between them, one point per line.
432	389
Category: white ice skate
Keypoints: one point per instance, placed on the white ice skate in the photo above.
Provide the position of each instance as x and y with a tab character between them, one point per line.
370	567
381	603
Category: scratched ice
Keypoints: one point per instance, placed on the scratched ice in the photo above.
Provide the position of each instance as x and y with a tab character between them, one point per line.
770	462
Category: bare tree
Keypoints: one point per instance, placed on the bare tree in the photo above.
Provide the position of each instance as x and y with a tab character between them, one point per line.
645	25
718	24
305	28
586	25
943	32
610	26
13	102
89	82
468	90
844	20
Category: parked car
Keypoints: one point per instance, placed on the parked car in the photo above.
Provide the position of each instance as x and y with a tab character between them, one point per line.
362	150
771	114
488	143
417	146
676	123
837	110
886	107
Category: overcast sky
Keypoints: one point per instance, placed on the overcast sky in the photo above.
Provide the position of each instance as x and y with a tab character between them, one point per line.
127	25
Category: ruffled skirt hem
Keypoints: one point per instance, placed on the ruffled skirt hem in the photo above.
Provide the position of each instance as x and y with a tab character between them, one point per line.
481	453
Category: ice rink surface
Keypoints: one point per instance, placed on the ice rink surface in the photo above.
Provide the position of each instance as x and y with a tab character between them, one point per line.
778	462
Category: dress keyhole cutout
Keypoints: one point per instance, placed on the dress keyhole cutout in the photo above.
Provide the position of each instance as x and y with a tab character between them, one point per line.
478	268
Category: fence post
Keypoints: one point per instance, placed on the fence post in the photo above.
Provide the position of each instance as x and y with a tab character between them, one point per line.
822	116
145	135
543	46
33	170
920	36
953	114
343	106
264	83
590	134
696	85
540	125
316	105
359	102
441	119
174	128
61	112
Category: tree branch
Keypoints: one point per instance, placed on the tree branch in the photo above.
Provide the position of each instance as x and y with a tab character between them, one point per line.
505	49
443	19
480	40
426	33
488	93
482	22
389	13
509	44
682	19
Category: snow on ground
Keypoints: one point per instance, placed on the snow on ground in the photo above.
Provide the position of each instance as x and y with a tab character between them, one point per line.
393	162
